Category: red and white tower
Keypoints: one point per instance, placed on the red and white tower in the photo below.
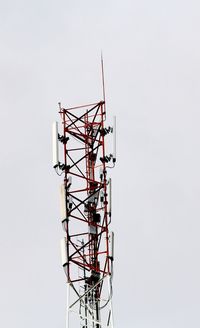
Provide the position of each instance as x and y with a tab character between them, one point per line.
85	201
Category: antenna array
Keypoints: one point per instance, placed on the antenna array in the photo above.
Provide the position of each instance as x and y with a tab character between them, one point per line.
87	250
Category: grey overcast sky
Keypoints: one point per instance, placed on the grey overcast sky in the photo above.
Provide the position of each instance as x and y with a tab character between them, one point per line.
50	52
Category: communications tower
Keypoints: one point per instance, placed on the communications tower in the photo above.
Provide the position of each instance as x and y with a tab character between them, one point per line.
87	250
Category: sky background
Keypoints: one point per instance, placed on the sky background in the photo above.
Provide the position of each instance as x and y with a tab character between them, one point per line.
50	52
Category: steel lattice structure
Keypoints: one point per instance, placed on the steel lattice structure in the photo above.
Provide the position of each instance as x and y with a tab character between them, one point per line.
87	248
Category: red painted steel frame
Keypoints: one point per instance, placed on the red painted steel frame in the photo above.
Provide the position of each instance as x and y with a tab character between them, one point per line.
86	198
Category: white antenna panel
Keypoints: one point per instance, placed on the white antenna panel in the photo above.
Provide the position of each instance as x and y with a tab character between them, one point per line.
55	144
63	208
112	245
110	197
63	248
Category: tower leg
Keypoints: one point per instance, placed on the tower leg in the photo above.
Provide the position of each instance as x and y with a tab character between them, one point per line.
67	310
111	321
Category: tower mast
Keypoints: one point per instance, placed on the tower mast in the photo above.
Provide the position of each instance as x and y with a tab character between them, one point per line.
85	200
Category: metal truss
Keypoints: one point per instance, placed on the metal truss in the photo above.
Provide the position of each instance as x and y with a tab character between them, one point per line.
87	249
